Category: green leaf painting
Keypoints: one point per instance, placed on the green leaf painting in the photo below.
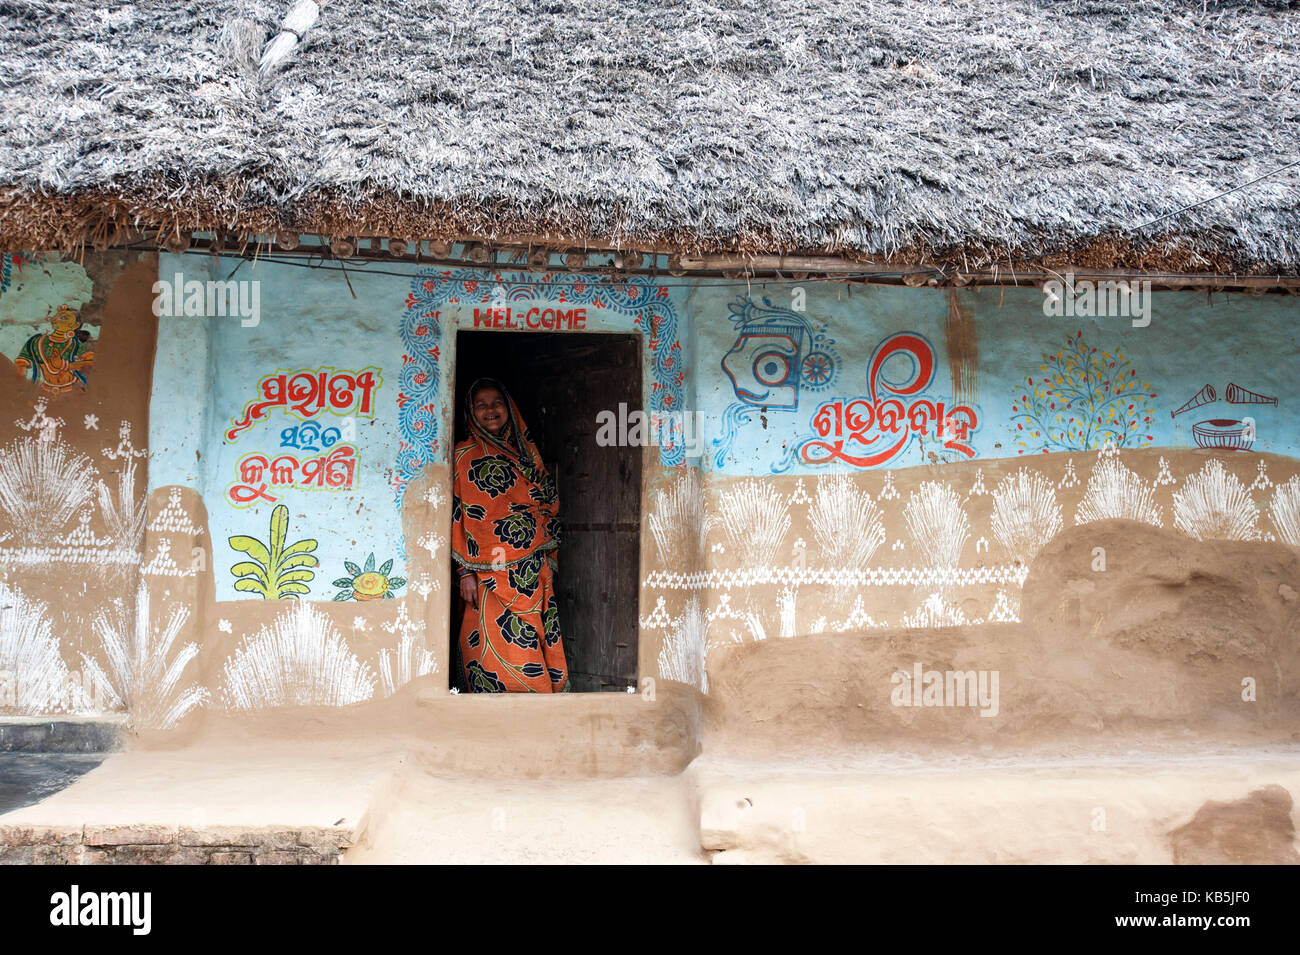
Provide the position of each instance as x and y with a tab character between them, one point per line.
274	571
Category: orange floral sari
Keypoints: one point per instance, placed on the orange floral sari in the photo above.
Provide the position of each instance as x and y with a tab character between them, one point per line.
504	528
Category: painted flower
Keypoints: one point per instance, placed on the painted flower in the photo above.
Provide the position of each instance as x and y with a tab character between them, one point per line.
368	583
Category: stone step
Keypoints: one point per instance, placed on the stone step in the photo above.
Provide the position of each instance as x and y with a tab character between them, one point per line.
170	845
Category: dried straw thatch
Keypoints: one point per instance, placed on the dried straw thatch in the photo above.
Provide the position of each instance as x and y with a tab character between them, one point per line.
953	131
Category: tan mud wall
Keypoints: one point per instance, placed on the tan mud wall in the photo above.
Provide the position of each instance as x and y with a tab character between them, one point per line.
58	544
1113	626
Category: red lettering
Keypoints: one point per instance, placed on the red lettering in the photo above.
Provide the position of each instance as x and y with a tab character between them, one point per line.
366	382
550	318
308	393
861	431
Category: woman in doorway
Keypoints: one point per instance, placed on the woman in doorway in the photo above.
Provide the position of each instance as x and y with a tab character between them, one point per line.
503	540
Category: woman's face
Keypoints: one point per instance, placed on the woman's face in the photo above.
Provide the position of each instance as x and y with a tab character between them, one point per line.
489	410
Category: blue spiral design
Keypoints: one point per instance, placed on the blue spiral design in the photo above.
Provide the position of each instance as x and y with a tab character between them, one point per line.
417	381
736	414
410	460
423	421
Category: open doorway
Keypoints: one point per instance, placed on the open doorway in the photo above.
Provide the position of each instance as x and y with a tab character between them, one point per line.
561	382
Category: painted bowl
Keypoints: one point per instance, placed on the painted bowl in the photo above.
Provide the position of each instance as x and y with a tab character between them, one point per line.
1226	434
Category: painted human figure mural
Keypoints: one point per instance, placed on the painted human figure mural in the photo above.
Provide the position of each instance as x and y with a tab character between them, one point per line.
58	358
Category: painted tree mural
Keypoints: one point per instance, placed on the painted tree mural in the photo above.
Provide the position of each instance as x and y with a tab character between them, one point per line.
1083	399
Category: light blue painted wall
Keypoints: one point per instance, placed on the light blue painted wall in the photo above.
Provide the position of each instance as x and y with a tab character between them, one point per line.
32	287
207	370
1190	342
792	348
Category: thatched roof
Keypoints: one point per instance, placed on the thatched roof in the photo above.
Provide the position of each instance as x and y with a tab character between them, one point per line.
929	130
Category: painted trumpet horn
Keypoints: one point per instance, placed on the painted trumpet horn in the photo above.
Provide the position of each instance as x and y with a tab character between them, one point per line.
1202	397
1238	395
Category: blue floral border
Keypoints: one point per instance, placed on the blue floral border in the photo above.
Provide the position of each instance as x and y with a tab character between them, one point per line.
7	261
640	298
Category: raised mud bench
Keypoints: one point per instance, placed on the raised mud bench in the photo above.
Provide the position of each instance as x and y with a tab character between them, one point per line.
170	845
1190	805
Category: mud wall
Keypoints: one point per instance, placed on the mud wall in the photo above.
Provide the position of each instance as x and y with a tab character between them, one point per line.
246	474
72	468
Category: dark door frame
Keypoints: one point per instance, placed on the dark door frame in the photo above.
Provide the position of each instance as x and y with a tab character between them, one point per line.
457	328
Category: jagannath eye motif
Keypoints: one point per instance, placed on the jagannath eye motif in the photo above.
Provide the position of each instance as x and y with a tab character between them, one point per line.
777	355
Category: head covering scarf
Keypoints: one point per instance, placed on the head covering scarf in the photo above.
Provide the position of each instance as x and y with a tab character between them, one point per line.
505	510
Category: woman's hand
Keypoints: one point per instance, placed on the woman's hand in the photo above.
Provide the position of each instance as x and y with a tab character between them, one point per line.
469	589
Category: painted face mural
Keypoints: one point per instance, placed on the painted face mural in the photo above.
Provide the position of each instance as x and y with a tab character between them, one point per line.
776	352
